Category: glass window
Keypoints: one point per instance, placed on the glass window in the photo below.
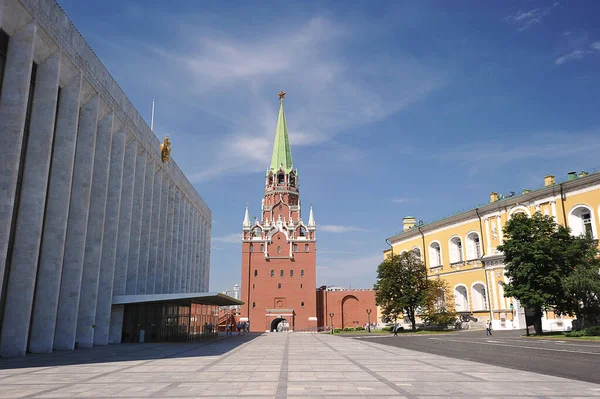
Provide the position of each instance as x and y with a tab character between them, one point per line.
295	247
302	273
253	304
306	248
281	273
272	273
278	286
278	249
262	247
255	273
302	304
251	248
291	273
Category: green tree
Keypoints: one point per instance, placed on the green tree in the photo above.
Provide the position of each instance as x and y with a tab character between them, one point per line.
439	304
582	285
401	286
537	260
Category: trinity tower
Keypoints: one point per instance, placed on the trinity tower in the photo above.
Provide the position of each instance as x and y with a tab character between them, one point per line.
278	251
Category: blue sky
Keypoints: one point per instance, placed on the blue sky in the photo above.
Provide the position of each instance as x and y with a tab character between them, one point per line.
420	108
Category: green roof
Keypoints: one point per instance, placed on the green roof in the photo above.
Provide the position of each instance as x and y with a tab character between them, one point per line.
282	154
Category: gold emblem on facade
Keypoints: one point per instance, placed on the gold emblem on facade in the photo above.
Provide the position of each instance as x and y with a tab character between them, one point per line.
165	149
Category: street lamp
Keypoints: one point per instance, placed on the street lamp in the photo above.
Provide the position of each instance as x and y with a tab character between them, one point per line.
331	316
369	318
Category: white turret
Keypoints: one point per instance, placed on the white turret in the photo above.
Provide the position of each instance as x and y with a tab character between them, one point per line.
246	225
311	219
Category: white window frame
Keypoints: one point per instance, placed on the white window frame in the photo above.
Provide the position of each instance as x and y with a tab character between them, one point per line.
466	299
577	220
457	253
475	294
471	247
440	256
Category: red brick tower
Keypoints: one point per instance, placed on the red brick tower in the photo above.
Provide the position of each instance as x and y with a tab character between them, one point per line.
278	252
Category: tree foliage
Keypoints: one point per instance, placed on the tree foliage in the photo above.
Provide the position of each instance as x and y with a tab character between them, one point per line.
547	267
402	286
439	304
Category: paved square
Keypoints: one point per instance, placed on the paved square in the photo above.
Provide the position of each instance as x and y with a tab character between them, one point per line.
271	366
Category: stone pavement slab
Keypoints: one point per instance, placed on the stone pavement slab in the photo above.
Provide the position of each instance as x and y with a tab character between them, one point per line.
275	365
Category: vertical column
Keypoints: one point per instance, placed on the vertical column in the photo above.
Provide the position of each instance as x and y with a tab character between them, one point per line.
198	255
169	239
125	213
186	246
55	225
201	260
207	258
190	270
116	324
95	234
553	208
13	106
109	239
154	229
192	280
162	234
488	236
175	244
30	217
70	285
181	257
146	226
499	227
136	223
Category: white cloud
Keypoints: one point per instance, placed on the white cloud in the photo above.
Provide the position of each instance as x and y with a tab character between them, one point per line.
342	271
572	56
595	46
526	19
401	200
234	238
235	78
332	228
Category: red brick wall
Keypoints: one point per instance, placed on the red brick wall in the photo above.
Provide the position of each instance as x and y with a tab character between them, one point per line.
348	306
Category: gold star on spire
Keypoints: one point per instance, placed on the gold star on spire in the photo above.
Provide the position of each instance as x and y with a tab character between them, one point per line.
281	95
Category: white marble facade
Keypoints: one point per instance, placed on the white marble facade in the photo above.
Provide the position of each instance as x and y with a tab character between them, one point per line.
88	209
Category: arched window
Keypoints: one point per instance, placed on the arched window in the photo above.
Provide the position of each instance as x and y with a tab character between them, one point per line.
255	273
253	304
256	232
278	286
456	250
302	273
251	248
262	247
280	178
473	246
306	248
300	285
295	247
291	273
479	297
461	299
278	249
435	254
581	221
272	273
281	207
302	304
253	286
281	273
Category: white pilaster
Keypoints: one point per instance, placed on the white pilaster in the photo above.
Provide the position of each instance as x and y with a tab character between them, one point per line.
494	289
50	265
125	214
154	228
182	245
488	236
70	286
207	258
13	107
167	265
136	223
175	254
95	234
195	255
146	226
162	234
116	324
553	207
109	239
30	213
499	224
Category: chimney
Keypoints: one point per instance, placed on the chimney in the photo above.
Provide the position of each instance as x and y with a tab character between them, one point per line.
526	190
571	176
408	223
583	173
493	197
549	180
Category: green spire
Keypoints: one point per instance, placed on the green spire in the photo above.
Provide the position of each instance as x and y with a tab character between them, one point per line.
282	154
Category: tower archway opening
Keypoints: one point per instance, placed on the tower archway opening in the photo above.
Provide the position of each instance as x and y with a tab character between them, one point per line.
280	325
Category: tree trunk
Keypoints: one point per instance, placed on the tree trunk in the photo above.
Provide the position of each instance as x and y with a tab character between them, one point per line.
538	322
414	324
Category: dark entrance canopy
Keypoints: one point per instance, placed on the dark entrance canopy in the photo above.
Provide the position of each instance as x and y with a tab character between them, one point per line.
171	317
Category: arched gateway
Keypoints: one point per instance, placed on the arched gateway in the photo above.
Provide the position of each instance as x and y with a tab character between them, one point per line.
280	324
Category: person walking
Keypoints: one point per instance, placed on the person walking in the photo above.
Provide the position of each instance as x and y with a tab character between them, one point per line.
239	327
395	330
488	328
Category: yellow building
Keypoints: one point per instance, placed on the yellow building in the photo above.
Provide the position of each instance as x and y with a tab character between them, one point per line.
462	249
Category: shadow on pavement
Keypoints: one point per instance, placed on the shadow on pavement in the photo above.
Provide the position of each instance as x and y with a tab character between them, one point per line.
129	352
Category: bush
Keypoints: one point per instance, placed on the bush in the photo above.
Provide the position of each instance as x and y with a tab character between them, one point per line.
575	334
593	331
387	329
337	330
359	328
348	329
